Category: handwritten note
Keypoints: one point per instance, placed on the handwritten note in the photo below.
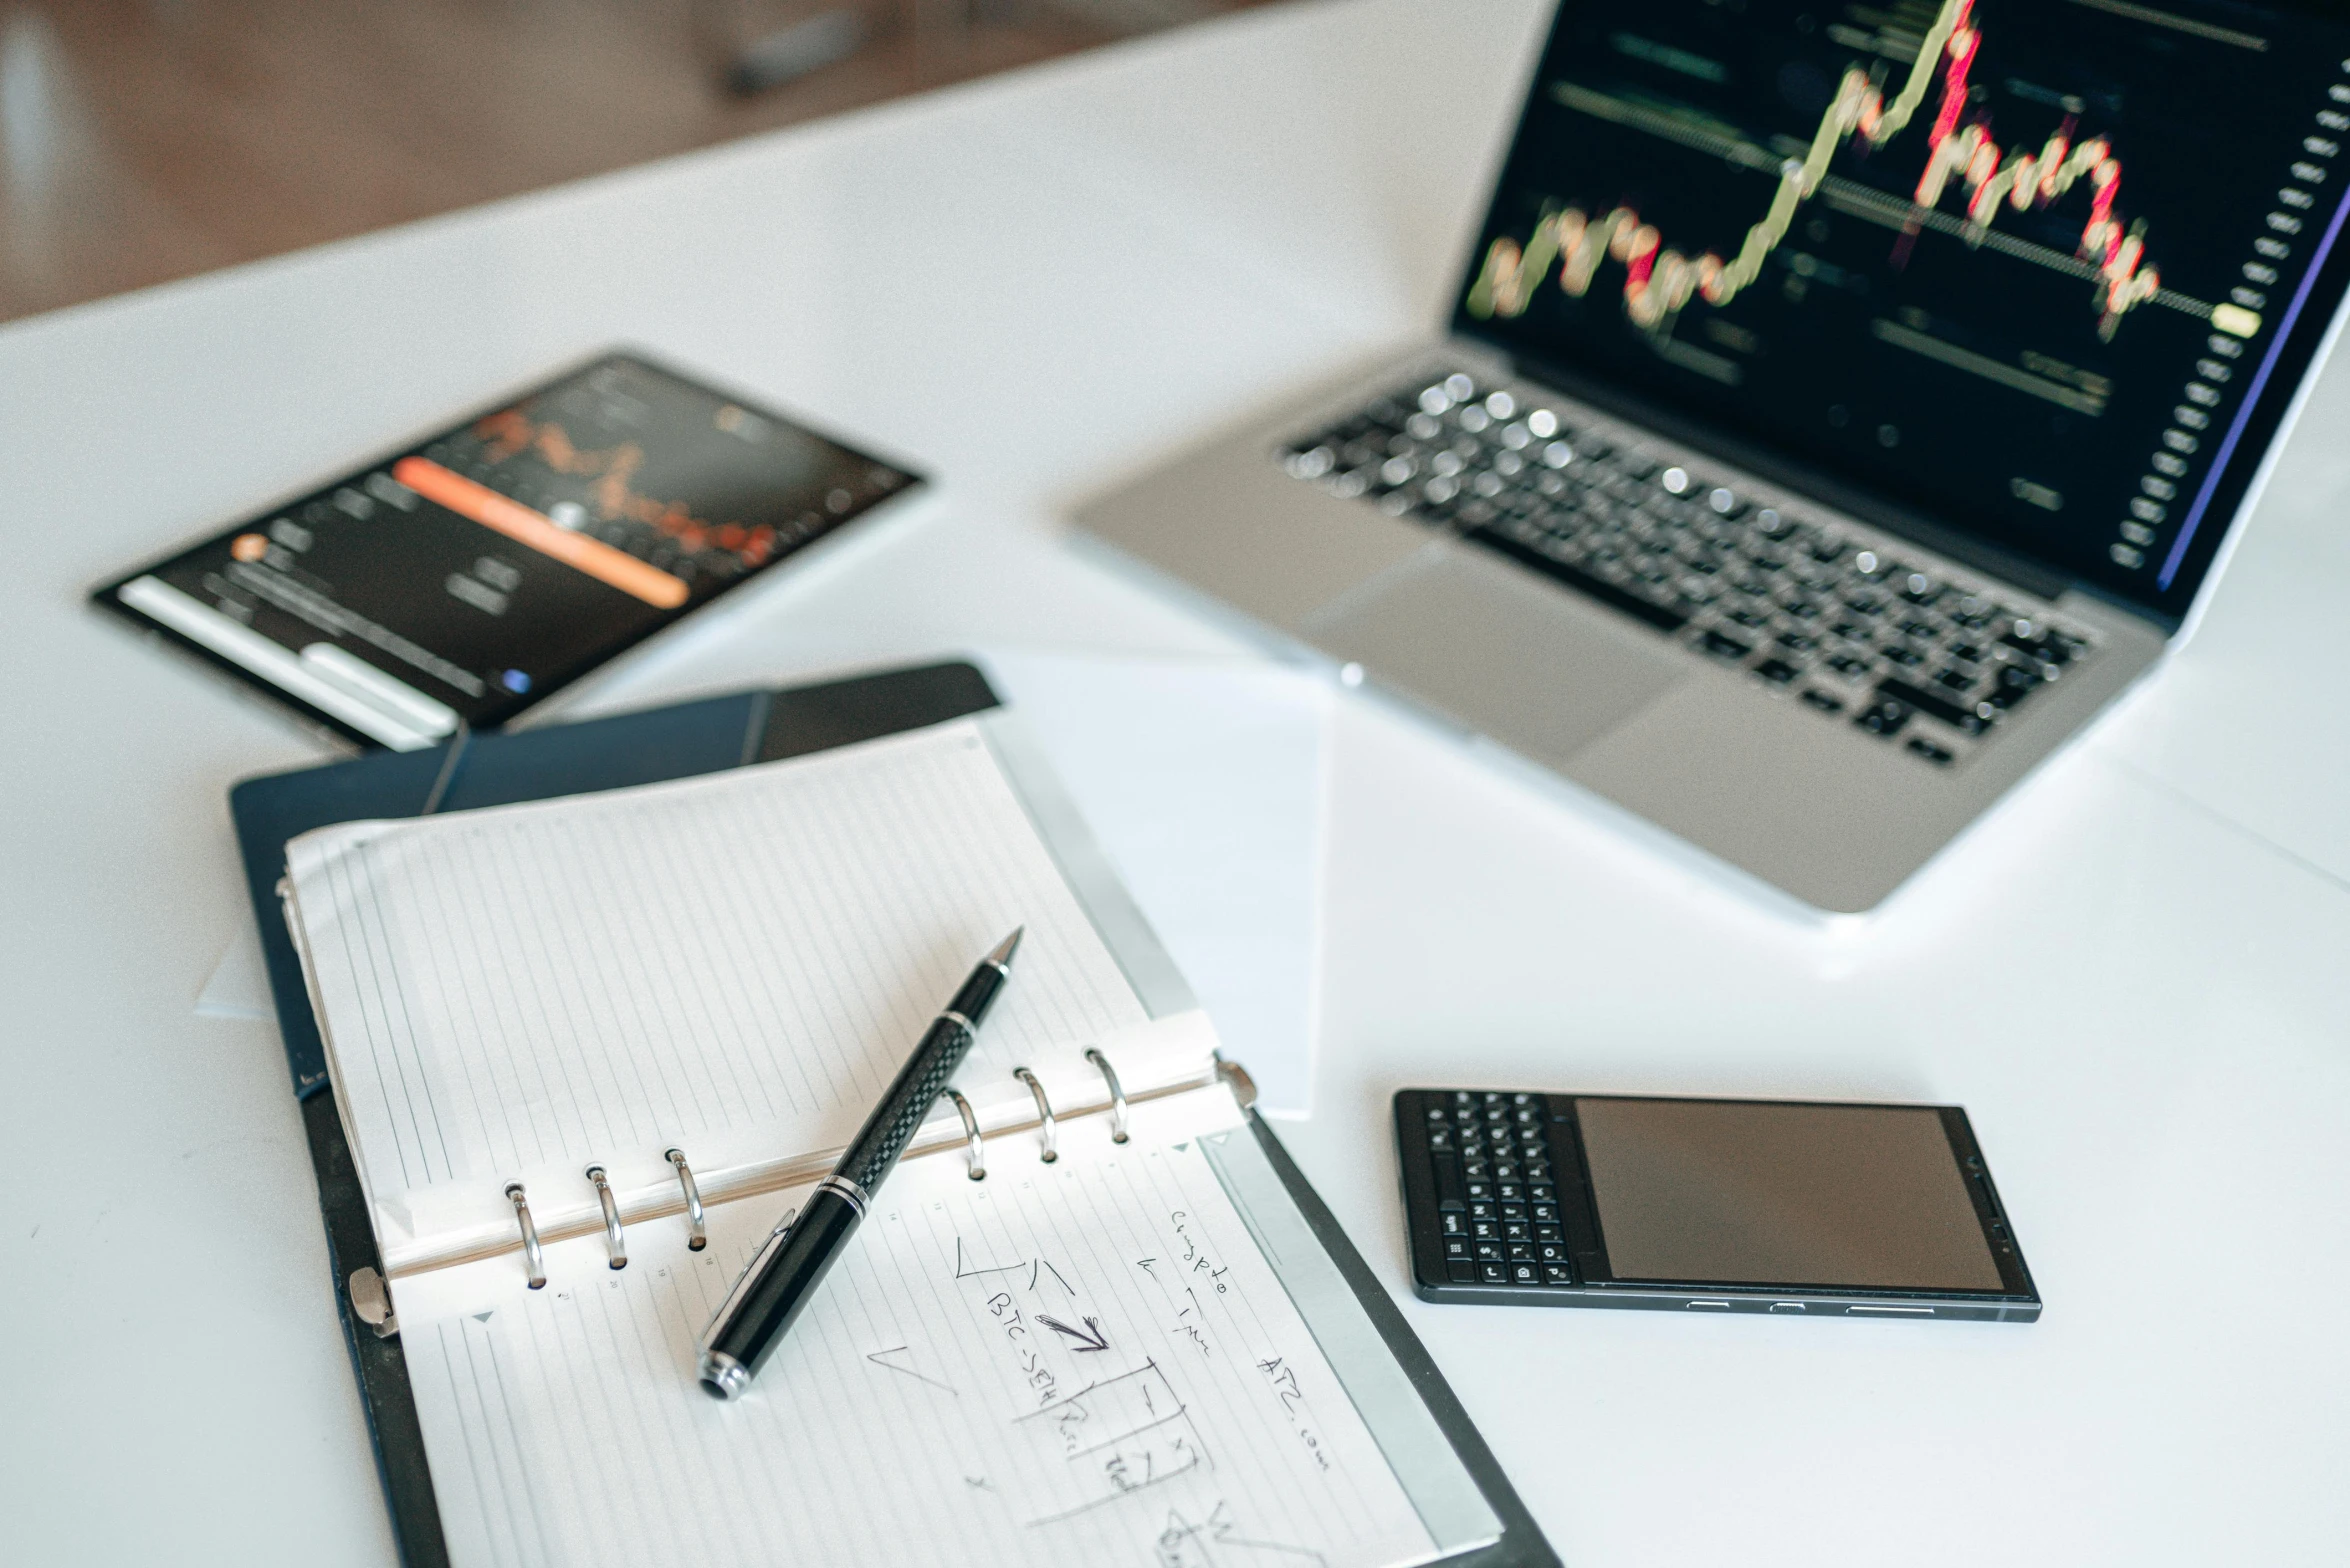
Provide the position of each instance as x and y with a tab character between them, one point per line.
1087	1362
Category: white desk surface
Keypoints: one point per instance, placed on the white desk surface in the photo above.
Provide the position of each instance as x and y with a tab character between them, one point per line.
2132	974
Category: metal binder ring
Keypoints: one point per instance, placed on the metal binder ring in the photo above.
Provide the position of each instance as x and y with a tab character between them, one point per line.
1044	1112
1117	1094
971	1133
696	1237
531	1255
612	1241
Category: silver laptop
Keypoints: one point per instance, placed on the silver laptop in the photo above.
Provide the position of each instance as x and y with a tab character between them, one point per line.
1840	407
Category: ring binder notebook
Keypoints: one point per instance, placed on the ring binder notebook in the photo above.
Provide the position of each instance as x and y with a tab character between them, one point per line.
688	1201
1017	1304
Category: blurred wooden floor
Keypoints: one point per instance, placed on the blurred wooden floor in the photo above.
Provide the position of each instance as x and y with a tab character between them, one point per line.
145	140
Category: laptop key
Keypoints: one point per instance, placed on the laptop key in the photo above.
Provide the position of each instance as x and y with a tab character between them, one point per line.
1723	646
1884	717
1975	612
2039	642
1661	616
1940	756
2011	686
1959	716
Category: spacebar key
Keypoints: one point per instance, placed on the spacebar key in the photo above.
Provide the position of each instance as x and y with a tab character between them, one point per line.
1663	617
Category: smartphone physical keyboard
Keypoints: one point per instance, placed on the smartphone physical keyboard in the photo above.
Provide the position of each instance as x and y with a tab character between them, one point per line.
1913	654
1496	1183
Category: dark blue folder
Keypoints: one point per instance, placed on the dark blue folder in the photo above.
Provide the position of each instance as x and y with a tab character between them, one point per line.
597	754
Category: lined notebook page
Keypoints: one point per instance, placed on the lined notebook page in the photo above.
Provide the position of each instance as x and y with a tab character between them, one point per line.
942	1400
736	962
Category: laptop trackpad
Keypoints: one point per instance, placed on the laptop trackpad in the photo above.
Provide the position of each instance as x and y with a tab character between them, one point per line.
1501	650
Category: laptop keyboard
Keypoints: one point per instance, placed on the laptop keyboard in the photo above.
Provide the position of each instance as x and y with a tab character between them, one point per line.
1915	654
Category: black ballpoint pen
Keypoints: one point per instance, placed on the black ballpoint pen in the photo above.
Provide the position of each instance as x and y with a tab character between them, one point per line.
781	1280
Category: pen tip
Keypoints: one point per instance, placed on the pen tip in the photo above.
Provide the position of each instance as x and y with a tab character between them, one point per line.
1006	948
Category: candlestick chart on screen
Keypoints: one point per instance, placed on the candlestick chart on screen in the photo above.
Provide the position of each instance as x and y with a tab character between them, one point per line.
1964	166
2027	261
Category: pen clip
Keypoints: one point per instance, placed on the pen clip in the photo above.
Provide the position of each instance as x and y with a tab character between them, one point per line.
742	1285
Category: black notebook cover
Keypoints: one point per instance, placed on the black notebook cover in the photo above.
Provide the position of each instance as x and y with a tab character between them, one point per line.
597	754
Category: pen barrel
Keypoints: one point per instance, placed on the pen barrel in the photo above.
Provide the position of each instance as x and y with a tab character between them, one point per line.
774	1300
785	1275
979	992
919	1084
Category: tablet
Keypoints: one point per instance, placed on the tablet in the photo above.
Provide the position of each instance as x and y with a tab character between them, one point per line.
469	575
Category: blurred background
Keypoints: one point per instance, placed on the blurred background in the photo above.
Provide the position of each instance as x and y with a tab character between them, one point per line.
144	140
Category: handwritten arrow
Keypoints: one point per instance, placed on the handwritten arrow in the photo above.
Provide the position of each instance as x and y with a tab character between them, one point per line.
1089	1339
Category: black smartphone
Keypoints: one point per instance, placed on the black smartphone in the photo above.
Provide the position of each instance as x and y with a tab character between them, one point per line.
462	578
1525	1198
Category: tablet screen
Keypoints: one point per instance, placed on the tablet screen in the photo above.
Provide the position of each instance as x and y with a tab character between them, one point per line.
472	574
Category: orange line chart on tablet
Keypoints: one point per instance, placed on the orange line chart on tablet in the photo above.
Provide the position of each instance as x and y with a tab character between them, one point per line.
612	485
614	568
1660	280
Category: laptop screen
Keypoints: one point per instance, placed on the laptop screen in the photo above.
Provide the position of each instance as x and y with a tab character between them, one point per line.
2045	272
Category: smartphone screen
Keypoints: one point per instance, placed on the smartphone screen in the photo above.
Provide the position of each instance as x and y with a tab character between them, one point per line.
1746	1191
472	574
